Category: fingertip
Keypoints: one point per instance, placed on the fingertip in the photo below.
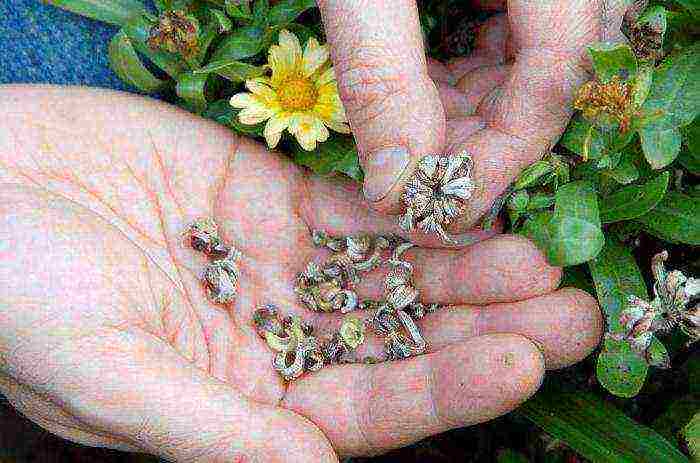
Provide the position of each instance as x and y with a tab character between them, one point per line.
582	330
490	375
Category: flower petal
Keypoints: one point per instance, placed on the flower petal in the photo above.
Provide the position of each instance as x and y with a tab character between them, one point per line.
243	100
272	138
308	129
462	187
260	89
339	127
254	115
315	56
290	43
327	77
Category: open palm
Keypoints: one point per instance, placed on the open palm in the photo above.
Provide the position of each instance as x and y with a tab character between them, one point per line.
107	338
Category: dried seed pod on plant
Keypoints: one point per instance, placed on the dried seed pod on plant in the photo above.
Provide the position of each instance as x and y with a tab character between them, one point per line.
673	292
175	32
606	102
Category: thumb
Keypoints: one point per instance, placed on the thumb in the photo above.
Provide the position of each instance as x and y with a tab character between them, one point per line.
392	105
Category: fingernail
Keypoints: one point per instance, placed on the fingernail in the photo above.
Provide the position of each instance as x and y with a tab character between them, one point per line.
383	170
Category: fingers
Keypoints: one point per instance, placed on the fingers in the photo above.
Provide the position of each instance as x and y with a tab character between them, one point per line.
566	325
525	116
393	106
503	268
490	47
336	206
372	408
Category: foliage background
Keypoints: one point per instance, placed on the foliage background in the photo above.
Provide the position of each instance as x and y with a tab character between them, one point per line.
648	418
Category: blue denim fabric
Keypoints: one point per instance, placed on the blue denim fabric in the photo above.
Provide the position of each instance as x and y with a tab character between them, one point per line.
40	43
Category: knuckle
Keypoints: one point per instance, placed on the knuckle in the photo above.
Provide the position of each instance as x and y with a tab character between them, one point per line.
368	86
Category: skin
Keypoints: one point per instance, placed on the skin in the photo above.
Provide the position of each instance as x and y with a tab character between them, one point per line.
106	336
516	87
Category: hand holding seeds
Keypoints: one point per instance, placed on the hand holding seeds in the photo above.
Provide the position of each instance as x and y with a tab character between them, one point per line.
113	334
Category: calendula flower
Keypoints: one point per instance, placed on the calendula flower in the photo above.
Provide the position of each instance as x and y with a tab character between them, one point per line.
300	95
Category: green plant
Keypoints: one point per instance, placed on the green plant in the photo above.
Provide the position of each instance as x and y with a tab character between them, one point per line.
620	186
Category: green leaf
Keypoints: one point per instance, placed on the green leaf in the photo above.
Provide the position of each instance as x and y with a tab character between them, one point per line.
261	9
674	98
287	11
192	88
657	355
511	456
690	156
633	201
128	66
110	11
676	416
621	370
616	277
590	142
661	147
692	437
626	171
236	11
223	24
235	71
610	60
338	154
532	174
675	219
597	430
641	85
540	201
138	29
572	234
518	201
244	42
223	113
692	6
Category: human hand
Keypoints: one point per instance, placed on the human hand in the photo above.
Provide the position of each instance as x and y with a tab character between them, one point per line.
107	338
506	104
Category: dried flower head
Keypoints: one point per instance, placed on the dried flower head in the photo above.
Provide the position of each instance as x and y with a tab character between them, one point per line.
673	293
221	278
673	289
352	332
639	320
175	32
203	236
690	323
297	350
301	95
606	102
437	193
324	288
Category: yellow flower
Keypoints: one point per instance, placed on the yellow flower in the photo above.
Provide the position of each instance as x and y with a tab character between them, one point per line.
300	96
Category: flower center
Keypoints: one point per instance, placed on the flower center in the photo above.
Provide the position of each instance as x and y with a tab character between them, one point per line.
297	94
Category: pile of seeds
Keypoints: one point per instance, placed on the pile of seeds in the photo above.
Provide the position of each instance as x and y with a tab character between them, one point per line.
327	287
